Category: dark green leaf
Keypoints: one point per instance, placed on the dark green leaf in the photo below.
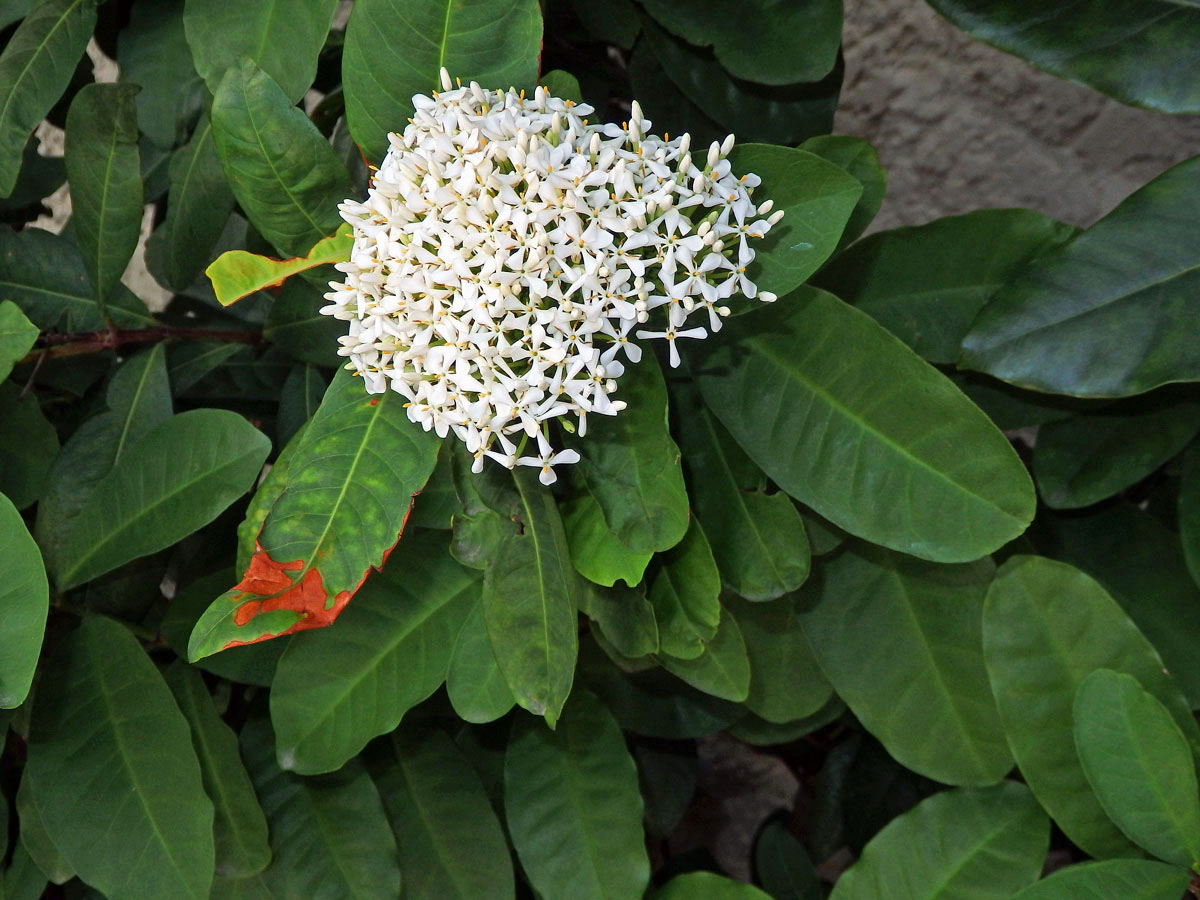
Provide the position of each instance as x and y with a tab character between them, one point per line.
625	619
926	284
35	841
707	886
1046	627
685	595
105	727
284	174
17	335
598	554
1139	764
23	880
282	37
573	808
982	844
822	398
28	445
1189	511
153	53
299	401
40	177
668	784
337	688
192	362
395	48
474	682
860	159
901	641
35	68
295	325
1118	879
24	600
722	669
1112	312
451	844
783	866
611	21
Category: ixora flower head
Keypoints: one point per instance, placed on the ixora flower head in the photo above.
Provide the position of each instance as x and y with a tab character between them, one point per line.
509	253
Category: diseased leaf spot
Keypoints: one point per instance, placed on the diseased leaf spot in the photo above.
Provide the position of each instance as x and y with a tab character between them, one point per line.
268	586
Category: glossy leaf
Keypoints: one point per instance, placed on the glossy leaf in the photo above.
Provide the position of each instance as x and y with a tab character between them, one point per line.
330	837
861	160
1046	627
849	421
922	689
925	284
152	52
722	669
178	477
530	603
296	325
573	807
1189	510
451	843
685	595
28	446
1112	312
284	174
474	682
17	336
336	688
707	886
817	199
625	619
598	554
1116	879
982	844
1129	49
343	505
1139	764
395	48
1088	458
104	169
24	601
632	465
106	727
768	43
35	68
238	273
282	38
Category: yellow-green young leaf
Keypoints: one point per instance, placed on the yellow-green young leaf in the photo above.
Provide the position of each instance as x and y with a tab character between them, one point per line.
685	595
106	727
35	68
394	49
573	807
723	669
1139	764
17	335
451	843
707	886
238	273
474	682
981	843
1116	879
24	601
1046	627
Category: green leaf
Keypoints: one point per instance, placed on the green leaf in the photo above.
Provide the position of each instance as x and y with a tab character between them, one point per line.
284	174
17	336
238	273
35	841
198	206
1094	455
1133	50
23	880
926	284
28	446
758	539
1110	313
861	160
722	669
344	502
561	84
152	52
296	326
104	170
105	727
573	807
609	21
598	554
44	274
1189	511
299	401
1117	879
786	114
1139	562
282	38
530	603
35	68
330	837
922	688
625	619
24	602
1139	764
451	843
632	466
766	42
786	683
474	682
177	478
395	48
783	865
1046	627
337	688
707	886
685	596
817	199
982	844
821	397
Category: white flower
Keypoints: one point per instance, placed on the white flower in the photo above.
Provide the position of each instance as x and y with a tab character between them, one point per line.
507	249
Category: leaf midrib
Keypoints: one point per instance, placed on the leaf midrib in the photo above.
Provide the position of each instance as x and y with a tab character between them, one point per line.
33	57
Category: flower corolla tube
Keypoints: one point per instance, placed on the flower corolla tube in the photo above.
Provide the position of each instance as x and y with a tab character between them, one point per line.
509	255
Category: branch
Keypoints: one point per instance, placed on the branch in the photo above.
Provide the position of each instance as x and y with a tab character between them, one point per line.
77	342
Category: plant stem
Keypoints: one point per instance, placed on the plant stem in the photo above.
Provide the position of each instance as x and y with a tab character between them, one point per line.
77	342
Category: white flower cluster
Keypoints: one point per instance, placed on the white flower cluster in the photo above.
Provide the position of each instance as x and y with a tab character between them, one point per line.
508	250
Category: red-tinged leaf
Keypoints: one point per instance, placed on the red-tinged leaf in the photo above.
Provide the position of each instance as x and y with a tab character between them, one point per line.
238	273
350	486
